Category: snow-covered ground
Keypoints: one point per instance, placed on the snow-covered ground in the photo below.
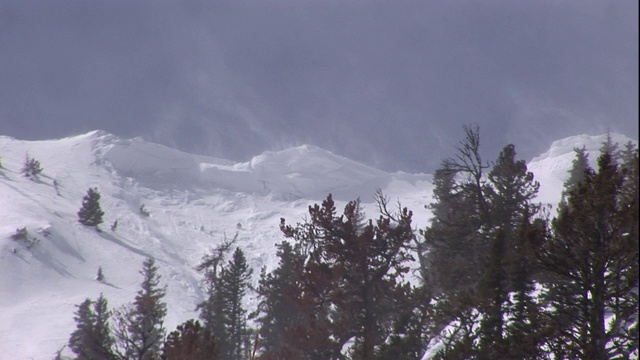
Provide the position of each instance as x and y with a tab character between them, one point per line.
194	202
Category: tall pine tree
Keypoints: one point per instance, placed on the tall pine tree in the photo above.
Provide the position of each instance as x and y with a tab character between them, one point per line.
592	260
214	310
279	313
140	327
353	277
92	338
234	284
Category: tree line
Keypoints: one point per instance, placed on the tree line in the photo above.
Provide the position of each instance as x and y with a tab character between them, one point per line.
497	277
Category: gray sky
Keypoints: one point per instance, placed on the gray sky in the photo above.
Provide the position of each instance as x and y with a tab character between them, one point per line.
388	83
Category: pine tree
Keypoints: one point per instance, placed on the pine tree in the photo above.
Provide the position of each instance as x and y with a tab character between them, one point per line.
478	252
509	194
455	253
139	329
90	214
577	172
352	277
31	167
278	310
190	341
592	259
81	339
214	310
456	247
608	146
234	283
92	338
100	274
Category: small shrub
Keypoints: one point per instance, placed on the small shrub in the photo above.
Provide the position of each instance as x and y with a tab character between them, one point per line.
21	234
31	167
100	275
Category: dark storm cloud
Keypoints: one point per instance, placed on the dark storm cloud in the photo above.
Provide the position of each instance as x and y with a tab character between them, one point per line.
388	83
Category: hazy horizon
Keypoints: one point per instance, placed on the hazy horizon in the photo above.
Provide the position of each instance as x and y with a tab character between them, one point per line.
386	84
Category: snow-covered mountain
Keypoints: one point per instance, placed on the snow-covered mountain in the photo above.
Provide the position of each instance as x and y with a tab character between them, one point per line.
194	202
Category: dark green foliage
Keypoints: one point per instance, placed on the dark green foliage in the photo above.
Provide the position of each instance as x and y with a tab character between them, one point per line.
213	311
279	312
478	251
190	341
90	214
577	172
140	331
592	260
223	313
611	148
351	283
31	167
92	338
509	194
21	234
234	283
412	328
455	255
100	274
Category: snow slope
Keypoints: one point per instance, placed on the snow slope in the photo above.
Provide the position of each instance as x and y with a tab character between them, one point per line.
551	168
194	201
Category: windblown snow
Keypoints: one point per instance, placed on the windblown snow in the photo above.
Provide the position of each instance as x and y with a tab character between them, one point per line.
194	202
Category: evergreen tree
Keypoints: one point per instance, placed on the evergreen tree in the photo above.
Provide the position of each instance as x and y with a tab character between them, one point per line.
278	311
234	283
456	246
592	259
140	330
509	194
100	274
352	277
479	251
92	338
608	146
524	333
81	339
455	251
577	172
190	341
90	214
31	167
214	310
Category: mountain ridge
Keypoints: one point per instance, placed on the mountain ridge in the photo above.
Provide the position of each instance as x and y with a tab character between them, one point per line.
194	202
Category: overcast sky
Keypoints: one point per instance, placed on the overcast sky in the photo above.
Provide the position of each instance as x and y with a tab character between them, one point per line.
388	83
